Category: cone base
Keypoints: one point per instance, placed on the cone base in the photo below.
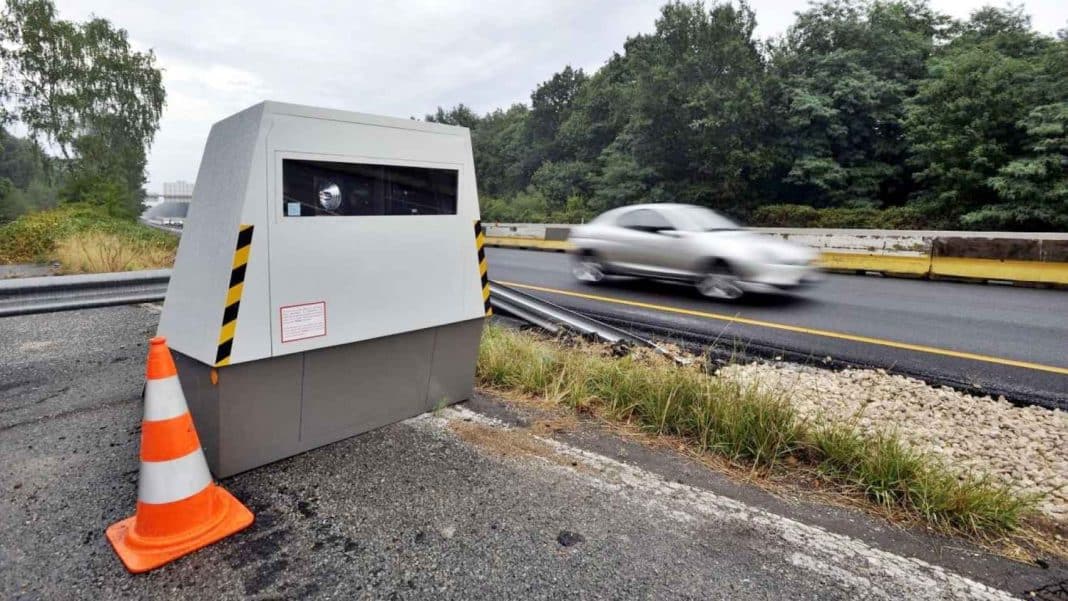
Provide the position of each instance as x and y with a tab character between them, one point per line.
144	555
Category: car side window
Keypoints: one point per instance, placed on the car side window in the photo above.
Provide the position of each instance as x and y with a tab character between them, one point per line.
644	220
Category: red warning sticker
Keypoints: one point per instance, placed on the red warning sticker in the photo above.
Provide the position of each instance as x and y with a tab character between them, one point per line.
300	322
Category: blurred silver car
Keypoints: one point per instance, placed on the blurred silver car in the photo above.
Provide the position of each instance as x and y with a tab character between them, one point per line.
691	244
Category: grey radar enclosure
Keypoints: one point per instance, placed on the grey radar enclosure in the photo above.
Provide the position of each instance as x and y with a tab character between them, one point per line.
330	279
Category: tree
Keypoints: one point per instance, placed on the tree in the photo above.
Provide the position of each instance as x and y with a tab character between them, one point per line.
79	89
621	180
551	104
24	173
874	113
560	181
966	122
1035	188
20	160
699	116
844	71
503	162
460	114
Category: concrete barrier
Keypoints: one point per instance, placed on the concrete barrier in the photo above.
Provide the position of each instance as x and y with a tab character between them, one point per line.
1015	257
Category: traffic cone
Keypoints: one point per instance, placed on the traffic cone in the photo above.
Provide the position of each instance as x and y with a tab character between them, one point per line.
179	507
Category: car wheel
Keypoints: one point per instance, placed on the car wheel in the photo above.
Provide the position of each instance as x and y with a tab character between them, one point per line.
587	268
719	282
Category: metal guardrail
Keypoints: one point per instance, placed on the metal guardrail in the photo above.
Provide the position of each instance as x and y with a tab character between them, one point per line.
24	296
543	312
1022	258
170	229
554	318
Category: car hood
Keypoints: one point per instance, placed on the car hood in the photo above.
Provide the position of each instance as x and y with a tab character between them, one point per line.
768	247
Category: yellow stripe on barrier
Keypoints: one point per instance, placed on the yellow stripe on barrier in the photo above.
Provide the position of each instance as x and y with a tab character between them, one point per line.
483	267
234	294
528	243
993	269
227	331
241	256
903	264
802	330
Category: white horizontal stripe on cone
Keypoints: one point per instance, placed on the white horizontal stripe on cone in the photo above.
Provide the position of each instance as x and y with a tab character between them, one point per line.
174	480
164	399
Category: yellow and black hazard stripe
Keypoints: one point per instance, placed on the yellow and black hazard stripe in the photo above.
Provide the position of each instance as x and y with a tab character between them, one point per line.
233	296
483	267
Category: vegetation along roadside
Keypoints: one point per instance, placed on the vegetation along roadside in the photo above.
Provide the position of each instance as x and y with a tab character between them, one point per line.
83	238
863	113
760	431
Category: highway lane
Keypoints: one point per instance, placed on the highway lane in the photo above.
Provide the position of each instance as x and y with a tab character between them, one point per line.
1000	340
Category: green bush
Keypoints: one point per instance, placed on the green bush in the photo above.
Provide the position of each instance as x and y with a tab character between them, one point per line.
33	237
904	218
532	207
790	215
525	207
785	216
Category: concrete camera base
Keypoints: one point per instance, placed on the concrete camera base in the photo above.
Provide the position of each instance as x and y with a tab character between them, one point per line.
266	410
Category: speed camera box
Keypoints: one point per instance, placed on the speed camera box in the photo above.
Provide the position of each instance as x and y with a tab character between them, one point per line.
329	279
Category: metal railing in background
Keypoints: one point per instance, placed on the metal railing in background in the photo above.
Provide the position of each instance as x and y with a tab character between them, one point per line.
24	296
1026	258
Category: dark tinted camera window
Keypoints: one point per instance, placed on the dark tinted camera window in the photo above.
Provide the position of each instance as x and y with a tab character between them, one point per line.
317	188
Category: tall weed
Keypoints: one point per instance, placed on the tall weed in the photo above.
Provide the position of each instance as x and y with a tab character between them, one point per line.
68	233
747	426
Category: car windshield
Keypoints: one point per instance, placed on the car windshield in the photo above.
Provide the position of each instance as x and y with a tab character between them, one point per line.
700	219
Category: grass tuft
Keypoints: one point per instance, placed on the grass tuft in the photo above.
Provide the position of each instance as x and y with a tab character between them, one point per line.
98	252
85	239
751	428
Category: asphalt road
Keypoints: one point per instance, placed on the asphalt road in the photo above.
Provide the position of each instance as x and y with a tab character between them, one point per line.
995	339
453	505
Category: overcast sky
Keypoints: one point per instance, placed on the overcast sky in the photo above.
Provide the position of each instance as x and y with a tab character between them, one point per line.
399	58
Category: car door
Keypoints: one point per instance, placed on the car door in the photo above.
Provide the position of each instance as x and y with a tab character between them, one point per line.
649	243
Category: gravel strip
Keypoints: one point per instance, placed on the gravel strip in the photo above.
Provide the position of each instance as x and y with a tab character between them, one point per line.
1021	446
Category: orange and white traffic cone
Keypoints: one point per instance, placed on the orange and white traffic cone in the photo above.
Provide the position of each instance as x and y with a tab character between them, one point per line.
179	507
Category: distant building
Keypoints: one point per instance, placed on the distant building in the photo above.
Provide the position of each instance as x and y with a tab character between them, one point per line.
177	190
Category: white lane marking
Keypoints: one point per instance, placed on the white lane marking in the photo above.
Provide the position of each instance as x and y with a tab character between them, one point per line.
164	399
169	481
855	565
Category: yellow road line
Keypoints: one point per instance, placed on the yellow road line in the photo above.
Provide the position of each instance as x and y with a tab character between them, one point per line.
801	330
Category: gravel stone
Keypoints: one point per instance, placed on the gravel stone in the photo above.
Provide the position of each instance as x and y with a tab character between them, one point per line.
1020	446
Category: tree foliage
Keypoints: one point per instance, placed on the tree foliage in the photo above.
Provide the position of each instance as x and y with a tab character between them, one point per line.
968	119
83	93
880	112
844	71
